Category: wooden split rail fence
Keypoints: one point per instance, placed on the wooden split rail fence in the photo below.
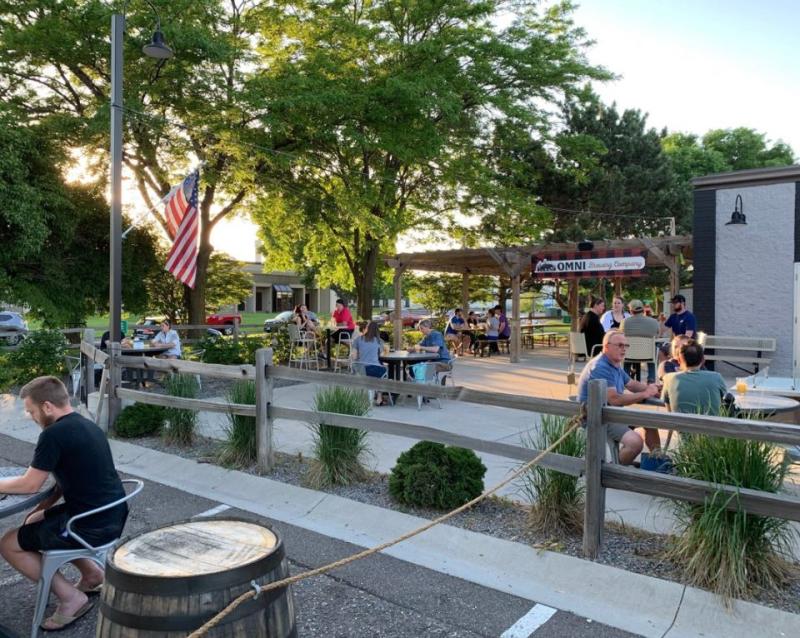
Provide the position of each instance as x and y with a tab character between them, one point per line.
598	474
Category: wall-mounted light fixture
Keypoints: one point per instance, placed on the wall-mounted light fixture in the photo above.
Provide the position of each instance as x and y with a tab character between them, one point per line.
737	216
586	244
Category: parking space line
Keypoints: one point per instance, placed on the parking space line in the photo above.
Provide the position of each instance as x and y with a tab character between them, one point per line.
213	511
530	622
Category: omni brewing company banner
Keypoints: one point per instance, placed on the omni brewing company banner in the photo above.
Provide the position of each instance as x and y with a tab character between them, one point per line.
588	263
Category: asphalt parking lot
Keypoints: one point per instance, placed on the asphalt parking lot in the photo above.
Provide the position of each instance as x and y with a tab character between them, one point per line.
379	596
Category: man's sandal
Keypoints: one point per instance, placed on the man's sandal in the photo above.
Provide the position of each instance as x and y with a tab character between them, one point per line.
90	590
61	621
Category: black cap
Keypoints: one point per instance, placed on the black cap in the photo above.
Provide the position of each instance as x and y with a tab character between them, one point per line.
678	298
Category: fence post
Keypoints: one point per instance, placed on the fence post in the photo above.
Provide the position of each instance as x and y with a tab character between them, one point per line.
596	437
114	382
264	389
88	367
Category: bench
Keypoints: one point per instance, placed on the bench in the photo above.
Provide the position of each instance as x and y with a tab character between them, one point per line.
738	346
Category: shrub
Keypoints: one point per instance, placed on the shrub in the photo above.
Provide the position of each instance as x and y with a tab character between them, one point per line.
139	419
180	423
7	376
434	475
221	350
556	498
240	447
41	353
338	451
411	338
728	551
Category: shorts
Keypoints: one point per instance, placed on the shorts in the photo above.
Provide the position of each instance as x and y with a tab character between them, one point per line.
50	533
616	431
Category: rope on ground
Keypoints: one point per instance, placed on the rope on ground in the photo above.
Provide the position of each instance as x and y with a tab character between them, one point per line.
573	424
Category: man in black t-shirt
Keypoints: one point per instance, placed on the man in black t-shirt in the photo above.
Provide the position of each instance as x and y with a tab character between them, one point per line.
77	453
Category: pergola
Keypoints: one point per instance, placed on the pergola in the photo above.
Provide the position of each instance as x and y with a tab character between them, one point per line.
515	262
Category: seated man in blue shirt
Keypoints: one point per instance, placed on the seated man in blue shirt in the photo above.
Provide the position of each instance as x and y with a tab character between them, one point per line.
608	365
433	341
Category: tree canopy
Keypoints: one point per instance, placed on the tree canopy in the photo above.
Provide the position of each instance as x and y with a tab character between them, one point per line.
390	108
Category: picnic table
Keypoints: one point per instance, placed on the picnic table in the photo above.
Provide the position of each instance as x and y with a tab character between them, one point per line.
147	351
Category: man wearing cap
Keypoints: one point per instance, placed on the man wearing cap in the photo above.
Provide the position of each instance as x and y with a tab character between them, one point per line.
681	321
638	325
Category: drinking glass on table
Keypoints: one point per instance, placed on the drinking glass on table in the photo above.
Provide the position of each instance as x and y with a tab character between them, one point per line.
741	385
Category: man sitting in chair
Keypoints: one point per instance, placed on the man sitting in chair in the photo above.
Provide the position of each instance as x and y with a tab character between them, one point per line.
608	365
76	452
433	341
693	390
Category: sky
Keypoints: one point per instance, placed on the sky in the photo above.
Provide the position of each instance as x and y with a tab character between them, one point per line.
692	66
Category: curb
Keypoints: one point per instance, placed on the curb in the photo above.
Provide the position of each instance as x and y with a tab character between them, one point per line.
636	603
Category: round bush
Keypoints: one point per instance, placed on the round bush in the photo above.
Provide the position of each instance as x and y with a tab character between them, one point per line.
139	419
435	475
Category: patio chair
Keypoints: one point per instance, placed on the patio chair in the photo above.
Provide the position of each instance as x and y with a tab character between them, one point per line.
642	350
425	373
577	346
303	349
360	370
52	560
345	339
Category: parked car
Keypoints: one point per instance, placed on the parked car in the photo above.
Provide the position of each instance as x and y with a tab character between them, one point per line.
410	317
278	322
13	327
228	320
149	327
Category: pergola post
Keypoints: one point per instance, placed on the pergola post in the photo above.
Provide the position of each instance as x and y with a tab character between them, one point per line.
465	294
397	322
674	277
573	304
515	322
618	286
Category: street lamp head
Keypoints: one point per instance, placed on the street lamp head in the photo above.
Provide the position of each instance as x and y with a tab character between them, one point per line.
156	48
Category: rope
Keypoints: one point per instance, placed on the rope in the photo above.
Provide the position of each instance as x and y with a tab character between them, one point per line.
573	423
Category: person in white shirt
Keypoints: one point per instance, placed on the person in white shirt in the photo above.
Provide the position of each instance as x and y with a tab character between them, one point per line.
170	337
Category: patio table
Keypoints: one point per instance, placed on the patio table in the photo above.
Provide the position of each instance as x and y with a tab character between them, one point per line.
147	351
398	360
11	504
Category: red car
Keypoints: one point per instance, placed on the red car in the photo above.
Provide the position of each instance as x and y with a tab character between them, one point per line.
224	319
410	317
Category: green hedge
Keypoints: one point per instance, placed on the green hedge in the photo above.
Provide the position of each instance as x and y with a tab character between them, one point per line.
139	419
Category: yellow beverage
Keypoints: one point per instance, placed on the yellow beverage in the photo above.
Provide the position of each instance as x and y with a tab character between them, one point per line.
741	386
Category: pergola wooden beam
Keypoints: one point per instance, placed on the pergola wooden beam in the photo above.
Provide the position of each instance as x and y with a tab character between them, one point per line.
513	261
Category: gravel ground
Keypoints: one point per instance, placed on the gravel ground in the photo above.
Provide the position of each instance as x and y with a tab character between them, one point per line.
623	547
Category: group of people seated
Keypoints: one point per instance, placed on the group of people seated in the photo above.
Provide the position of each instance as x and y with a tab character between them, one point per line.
165	336
684	386
466	333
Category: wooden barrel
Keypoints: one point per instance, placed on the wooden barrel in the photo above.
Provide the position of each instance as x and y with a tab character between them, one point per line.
168	582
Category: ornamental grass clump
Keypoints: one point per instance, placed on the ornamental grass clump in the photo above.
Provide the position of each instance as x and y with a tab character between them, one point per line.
437	476
729	552
556	498
239	448
338	452
180	423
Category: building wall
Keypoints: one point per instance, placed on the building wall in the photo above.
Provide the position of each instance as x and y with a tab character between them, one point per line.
754	278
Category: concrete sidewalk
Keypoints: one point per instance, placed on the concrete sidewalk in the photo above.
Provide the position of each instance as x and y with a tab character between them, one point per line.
635	603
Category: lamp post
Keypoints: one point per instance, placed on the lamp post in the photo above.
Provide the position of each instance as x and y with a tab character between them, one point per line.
155	49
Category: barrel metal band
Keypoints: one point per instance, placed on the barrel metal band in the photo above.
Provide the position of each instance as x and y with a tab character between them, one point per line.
187	623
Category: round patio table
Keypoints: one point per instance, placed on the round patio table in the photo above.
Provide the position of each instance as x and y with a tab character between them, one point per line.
767	403
398	360
11	504
146	351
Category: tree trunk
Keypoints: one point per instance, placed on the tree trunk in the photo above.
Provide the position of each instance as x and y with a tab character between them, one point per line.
197	296
368	264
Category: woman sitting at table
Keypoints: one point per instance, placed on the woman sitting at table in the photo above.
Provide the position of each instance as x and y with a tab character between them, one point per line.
492	330
367	349
455	331
170	337
303	321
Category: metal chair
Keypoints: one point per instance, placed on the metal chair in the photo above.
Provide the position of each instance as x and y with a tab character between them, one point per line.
425	373
577	346
642	350
360	370
75	372
305	345
52	560
345	339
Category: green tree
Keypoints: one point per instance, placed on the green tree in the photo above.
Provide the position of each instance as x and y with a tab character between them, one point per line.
386	110
227	284
55	235
745	148
442	292
193	108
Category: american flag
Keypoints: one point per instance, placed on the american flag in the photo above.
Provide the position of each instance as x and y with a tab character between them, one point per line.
184	227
